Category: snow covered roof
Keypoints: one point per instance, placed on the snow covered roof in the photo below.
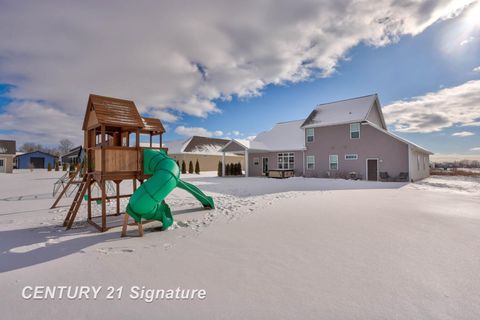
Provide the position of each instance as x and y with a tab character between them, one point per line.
338	112
196	144
284	136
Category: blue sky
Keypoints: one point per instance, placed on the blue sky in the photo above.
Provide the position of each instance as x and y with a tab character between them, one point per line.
235	77
412	67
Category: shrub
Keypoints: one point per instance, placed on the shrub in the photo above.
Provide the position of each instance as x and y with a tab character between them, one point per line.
64	167
72	167
235	169
57	166
184	167
228	169
197	167
49	167
178	164
239	168
190	167
219	169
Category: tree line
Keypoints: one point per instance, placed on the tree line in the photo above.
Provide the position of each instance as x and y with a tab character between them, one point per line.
62	148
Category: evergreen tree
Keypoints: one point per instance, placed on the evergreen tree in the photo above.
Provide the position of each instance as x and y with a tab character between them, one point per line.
72	167
197	167
228	170
57	168
233	169
49	167
178	164
64	167
219	169
239	168
184	167
190	167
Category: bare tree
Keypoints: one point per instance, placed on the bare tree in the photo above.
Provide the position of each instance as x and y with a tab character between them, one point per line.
30	147
64	146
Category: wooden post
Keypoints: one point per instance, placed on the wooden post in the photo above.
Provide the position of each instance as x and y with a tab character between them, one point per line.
118	196
134	185
140	228
104	206
89	200
160	141
150	139
125	225
102	183
137	138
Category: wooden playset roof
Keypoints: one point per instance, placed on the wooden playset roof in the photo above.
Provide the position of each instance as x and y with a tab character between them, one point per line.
112	112
152	125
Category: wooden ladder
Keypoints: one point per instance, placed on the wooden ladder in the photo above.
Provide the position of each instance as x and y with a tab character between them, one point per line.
77	201
65	188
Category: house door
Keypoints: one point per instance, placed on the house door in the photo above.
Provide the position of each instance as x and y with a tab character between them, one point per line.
2	165
372	170
265	166
37	163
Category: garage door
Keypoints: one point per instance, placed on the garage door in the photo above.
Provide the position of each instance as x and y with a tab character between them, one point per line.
38	163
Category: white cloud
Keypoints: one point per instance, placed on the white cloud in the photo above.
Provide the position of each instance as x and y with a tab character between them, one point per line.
467	41
476	69
197	131
236	132
475	149
438	110
463	134
178	57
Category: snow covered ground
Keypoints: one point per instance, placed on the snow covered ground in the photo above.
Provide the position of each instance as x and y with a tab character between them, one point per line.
299	248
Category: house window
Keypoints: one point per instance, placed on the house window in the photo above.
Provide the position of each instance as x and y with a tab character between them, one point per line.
256	161
355	131
424	162
310	134
333	162
351	156
286	160
418	162
310	162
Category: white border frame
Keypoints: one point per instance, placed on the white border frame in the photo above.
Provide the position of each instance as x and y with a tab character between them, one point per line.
4	165
338	162
265	173
359	130
306	162
366	168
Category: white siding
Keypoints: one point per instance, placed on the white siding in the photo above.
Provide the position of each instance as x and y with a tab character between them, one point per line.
418	163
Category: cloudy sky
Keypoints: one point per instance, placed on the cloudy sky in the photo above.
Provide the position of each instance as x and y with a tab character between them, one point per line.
234	68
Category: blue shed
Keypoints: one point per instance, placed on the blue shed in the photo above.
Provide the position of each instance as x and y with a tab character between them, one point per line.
37	159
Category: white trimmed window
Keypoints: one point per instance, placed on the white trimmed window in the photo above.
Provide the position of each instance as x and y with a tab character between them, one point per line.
286	160
310	134
418	162
333	162
351	156
310	162
355	131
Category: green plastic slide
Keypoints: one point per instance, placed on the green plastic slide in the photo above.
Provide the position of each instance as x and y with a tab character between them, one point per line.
147	202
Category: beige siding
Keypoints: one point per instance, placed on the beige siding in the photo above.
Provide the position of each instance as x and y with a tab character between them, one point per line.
8	159
207	162
255	170
374	116
419	164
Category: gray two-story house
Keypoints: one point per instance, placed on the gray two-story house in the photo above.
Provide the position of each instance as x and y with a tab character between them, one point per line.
347	138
